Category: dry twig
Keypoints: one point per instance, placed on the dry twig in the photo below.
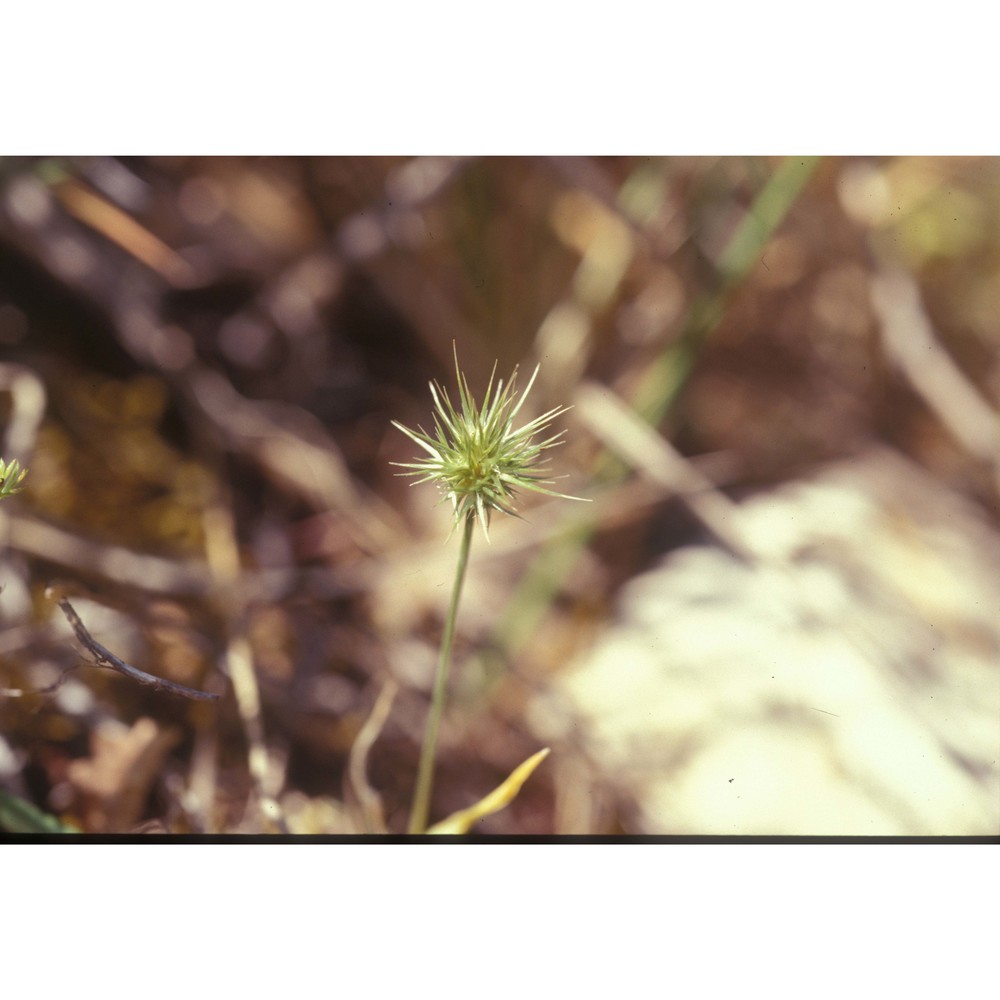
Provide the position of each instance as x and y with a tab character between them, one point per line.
909	340
368	798
105	658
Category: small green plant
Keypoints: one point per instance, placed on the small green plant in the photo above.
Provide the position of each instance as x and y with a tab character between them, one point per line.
480	462
11	477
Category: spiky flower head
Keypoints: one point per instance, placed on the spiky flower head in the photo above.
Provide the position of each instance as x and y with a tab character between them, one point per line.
11	476
475	456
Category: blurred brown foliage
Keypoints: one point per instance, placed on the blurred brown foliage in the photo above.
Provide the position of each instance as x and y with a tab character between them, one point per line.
199	360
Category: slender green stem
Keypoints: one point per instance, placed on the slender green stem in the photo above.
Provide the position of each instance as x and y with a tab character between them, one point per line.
425	774
656	395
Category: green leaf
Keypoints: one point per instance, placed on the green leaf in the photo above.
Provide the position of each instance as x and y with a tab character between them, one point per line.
19	816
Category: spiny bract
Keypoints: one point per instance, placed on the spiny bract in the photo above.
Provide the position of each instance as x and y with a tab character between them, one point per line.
11	477
476	457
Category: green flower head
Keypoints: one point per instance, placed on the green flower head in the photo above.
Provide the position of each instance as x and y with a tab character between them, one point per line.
11	476
475	456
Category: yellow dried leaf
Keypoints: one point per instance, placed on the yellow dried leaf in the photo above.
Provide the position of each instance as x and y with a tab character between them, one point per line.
500	797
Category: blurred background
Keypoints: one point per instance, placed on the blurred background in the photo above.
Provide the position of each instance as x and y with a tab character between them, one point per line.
777	616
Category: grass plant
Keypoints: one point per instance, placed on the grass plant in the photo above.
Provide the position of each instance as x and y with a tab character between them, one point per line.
477	458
